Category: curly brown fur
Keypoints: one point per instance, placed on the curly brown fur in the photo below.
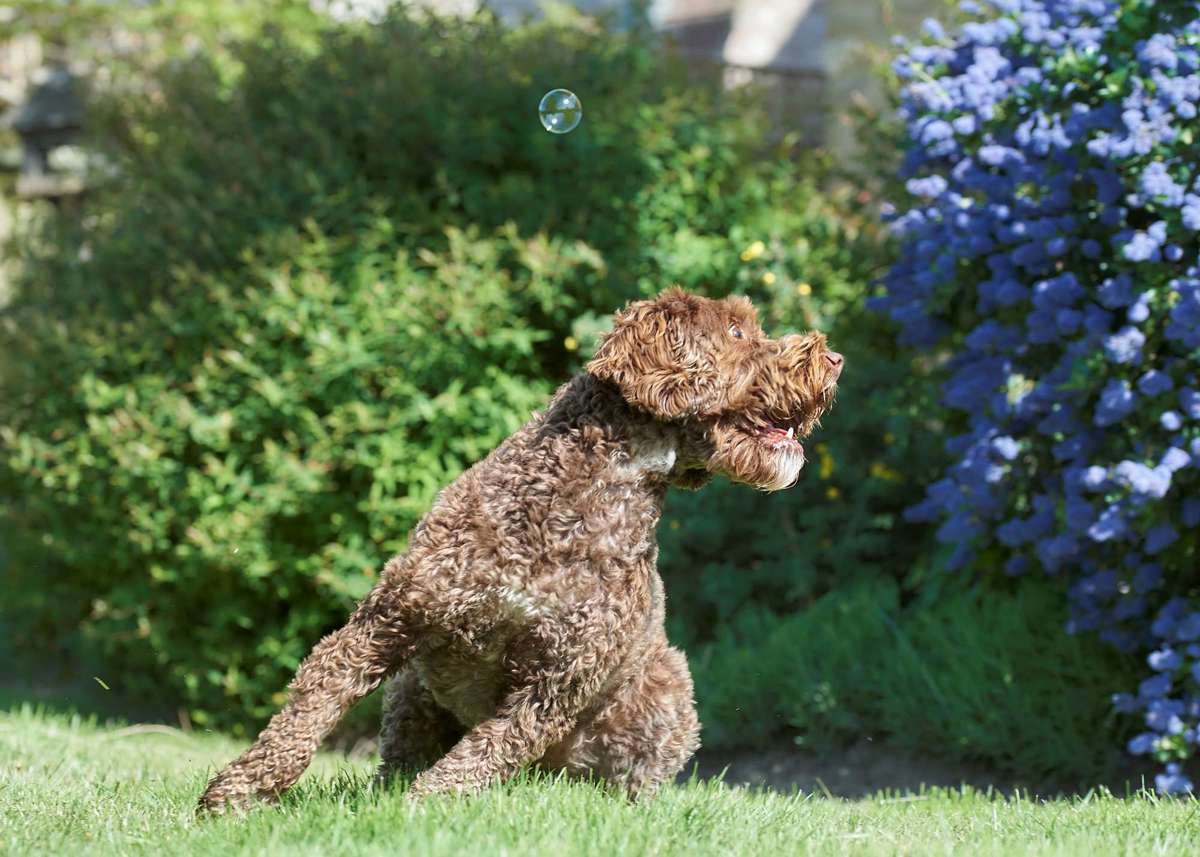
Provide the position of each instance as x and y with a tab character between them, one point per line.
524	625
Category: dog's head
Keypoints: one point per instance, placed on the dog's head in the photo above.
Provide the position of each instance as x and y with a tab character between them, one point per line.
745	399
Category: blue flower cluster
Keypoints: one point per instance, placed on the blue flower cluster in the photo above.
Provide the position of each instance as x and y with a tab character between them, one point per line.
1050	244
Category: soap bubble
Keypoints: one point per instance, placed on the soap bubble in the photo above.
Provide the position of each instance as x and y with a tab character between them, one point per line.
560	111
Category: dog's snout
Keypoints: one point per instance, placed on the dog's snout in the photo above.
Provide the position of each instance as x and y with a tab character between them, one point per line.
835	360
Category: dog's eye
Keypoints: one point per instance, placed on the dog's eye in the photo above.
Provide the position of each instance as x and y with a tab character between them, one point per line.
735	331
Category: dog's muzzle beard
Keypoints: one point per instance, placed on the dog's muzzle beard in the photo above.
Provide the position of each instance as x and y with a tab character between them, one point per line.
789	461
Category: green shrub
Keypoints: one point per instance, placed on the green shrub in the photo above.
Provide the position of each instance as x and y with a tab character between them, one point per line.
209	484
731	548
425	124
971	674
319	289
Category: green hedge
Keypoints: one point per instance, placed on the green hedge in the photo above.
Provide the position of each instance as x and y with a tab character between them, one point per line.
319	289
208	485
963	674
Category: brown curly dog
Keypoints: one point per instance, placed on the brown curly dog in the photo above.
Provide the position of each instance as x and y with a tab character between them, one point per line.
525	623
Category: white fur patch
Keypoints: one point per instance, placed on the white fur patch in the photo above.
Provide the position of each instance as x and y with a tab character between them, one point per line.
521	606
789	463
656	457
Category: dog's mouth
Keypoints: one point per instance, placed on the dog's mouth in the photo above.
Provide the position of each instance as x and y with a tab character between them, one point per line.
783	438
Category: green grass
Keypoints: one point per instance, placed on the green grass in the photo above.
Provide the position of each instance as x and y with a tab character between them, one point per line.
69	786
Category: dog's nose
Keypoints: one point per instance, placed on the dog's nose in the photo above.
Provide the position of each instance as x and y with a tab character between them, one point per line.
835	360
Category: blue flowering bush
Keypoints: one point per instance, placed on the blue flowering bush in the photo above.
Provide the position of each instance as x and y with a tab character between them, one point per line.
1050	263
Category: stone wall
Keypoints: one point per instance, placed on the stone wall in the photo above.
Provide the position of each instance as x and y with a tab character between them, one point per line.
814	56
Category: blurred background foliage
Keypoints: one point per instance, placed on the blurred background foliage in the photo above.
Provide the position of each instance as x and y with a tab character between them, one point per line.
136	39
327	266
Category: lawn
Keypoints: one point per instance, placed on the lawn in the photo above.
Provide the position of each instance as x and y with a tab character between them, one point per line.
70	786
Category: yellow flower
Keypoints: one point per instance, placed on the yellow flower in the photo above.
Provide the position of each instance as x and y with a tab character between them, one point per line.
832	492
804	289
881	471
826	461
768	278
753	251
888	437
571	343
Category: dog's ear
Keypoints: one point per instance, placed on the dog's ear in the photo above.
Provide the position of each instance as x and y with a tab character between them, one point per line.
656	354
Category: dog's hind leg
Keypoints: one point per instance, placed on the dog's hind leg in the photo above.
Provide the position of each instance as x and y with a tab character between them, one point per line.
415	731
643	736
342	668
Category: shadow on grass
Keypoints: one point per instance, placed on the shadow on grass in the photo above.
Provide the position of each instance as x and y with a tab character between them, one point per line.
871	767
66	681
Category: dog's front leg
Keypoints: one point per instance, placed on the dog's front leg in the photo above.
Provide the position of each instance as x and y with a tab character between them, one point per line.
343	668
563	664
528	722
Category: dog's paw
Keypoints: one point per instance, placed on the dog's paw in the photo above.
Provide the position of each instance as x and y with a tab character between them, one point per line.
220	798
